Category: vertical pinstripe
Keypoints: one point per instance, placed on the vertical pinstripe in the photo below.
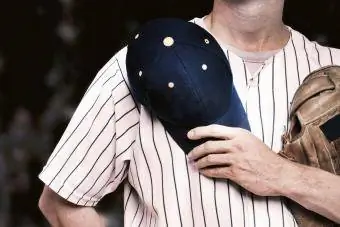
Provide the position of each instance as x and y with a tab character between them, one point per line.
246	81
273	99
173	171
190	194
128	197
260	110
139	186
162	177
202	202
307	57
149	171
112	140
318	54
254	212
230	206
331	55
133	183
286	85
297	62
243	209
216	208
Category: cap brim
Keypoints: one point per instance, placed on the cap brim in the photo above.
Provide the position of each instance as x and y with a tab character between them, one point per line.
236	116
179	135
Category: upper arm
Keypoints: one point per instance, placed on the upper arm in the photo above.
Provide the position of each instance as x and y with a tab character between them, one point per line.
91	158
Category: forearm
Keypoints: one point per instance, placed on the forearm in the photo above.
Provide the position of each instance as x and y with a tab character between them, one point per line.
315	189
60	213
79	217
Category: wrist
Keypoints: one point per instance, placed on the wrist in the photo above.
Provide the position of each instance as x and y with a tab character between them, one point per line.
290	179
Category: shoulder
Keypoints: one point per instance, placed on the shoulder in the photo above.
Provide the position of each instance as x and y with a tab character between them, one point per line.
112	77
125	104
121	90
116	63
318	53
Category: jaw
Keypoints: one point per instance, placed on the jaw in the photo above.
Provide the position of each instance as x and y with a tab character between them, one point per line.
254	23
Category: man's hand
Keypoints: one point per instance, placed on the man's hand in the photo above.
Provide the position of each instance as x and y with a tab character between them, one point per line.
239	156
244	159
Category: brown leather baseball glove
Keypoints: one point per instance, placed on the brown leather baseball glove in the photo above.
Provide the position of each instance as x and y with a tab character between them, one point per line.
313	137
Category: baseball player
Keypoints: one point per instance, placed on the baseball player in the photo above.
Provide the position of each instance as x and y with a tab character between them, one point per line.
104	143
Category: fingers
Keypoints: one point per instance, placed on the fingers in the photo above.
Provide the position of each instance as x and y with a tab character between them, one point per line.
217	131
210	147
217	172
213	160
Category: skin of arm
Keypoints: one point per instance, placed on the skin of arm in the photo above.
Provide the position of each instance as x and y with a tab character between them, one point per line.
313	188
60	213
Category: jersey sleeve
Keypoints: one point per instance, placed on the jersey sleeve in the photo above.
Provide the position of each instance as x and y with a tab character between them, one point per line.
92	156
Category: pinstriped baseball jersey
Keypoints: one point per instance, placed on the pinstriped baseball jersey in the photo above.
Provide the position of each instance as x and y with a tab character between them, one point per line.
112	140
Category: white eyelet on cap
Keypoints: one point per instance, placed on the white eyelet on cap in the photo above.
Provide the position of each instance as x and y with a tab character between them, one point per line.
204	67
207	41
136	37
140	73
171	85
168	41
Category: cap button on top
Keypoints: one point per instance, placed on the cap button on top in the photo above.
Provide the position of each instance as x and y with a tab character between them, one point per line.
168	41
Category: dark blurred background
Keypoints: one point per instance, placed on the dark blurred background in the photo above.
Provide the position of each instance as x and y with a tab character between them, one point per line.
49	53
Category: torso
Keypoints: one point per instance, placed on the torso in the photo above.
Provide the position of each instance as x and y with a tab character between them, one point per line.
163	190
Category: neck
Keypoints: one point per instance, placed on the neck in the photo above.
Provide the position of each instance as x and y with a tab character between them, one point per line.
249	25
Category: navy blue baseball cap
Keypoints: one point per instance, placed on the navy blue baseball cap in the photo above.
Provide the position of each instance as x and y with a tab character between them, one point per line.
179	73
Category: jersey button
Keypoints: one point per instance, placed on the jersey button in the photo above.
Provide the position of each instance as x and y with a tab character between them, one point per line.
253	82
